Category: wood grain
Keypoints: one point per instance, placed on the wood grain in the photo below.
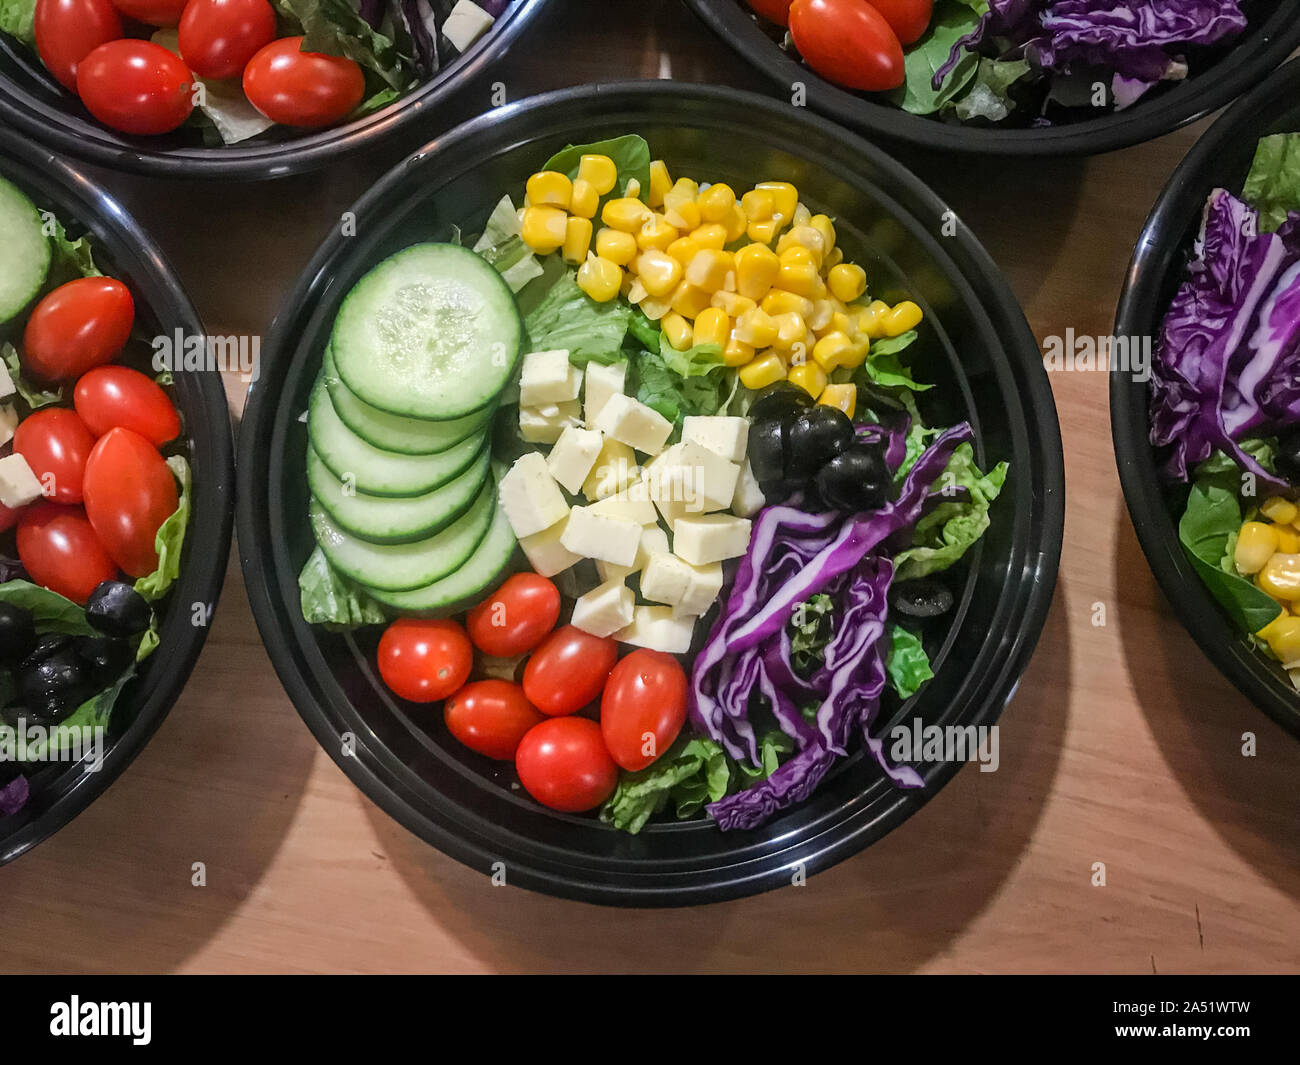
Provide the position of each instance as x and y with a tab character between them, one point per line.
1123	745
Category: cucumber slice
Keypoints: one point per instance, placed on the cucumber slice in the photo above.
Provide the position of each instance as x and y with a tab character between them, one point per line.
375	471
395	520
392	432
431	332
24	252
401	567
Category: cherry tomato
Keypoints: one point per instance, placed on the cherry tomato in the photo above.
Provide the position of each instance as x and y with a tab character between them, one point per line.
111	396
60	551
563	764
909	19
491	717
643	708
219	37
297	88
848	42
84	323
424	661
777	11
136	87
129	492
568	670
69	30
9	517
516	618
153	12
56	444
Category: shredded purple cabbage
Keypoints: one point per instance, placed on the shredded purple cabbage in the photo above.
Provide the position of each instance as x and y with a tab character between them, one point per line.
14	795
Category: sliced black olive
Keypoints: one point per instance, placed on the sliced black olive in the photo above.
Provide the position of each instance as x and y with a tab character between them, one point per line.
856	479
1287	459
779	400
766	450
105	656
922	598
17	632
814	437
117	609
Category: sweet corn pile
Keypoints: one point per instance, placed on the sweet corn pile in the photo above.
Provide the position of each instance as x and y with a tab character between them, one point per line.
1268	552
758	275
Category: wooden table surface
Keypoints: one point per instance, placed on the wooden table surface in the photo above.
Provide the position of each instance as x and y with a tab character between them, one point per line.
1123	746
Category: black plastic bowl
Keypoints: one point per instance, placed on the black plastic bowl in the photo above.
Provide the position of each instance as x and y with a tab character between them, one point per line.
981	349
1221	159
1274	33
122	249
34	103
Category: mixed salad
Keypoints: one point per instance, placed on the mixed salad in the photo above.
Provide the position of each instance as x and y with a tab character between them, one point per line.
94	494
1024	62
639	486
233	69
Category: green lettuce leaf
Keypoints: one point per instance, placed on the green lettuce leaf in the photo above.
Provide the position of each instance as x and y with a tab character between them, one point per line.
34	396
332	600
16	17
335	27
503	247
1273	185
988	95
811	628
908	665
94	712
51	611
951	22
631	154
170	537
559	315
699	388
70	259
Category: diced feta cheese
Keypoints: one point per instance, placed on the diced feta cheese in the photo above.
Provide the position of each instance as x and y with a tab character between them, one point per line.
7	387
710	538
545	553
18	485
543	425
708	478
664	479
631	422
465	24
602	382
727	436
703	591
548	377
605	610
600	537
573	456
631	504
748	499
656	628
8	422
530	497
615	468
689	590
654	541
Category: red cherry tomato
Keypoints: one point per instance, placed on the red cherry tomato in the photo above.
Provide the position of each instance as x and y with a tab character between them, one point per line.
491	717
424	661
9	516
297	88
516	617
643	708
136	87
60	551
568	670
111	396
56	444
129	492
563	764
69	30
219	37
848	42
84	323
153	12
777	11
909	19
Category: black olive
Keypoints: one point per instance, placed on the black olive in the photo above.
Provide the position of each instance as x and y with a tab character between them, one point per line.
116	608
49	644
17	632
922	598
856	479
1287	459
766	450
814	437
106	656
57	679
779	401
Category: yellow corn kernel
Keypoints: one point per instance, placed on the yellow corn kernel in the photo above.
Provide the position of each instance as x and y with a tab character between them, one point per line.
585	199
833	258
803	279
684	191
712	326
790	330
710	235
1288	541
778	301
805	237
1284	639
785	198
548	188
827	351
763	232
872	319
678	330
845	397
847	281
685	216
823	224
796	255
683	249
658	271
543	229
689	301
844	323
757	268
820	319
660	183
810	377
577	240
802	216
1279	510
763	371
904	316
656	234
735	223
616	246
737	352
758	204
757	328
716	202
655	310
733	303
856	353
599	278
1280	577
633	191
599	171
1272	627
710	268
626	214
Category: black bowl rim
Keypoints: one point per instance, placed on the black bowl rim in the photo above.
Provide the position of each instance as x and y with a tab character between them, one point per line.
277	159
207	549
999	303
1181	106
1158	250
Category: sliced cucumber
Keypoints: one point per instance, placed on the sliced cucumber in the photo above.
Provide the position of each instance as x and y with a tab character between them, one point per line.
431	332
401	567
395	519
392	432
24	251
373	470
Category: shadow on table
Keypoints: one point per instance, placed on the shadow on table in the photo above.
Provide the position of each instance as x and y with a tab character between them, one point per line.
892	908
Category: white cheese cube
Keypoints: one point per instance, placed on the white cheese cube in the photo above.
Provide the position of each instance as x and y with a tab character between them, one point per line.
465	24
656	628
654	541
531	499
614	469
600	537
689	590
8	422
703	590
545	552
631	504
748	499
18	485
573	456
7	387
543	425
701	539
548	377
708	478
664	478
631	422
727	436
605	610
602	382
